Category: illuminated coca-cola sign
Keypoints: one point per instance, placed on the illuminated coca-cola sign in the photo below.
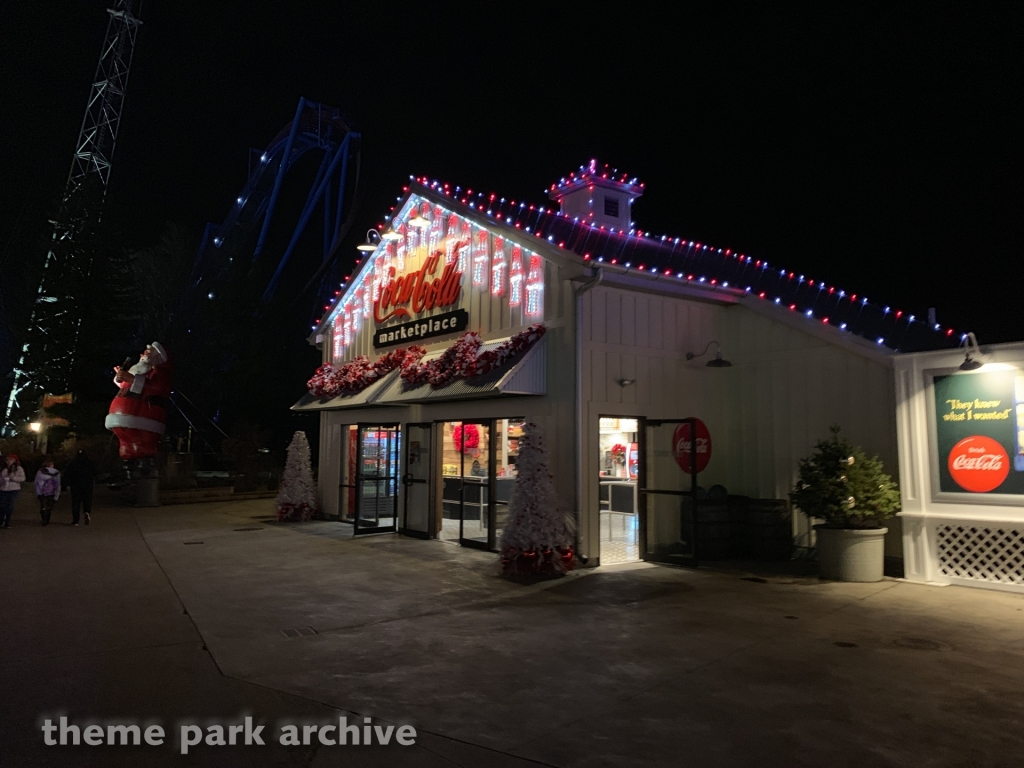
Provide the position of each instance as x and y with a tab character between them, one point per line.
418	291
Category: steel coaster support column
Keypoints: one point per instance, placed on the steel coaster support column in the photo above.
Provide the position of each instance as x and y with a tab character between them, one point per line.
315	196
341	196
327	219
48	354
281	169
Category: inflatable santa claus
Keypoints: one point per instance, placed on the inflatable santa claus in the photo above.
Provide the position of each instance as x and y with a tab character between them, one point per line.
138	413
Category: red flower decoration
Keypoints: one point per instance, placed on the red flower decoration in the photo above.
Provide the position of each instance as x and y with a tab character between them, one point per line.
358	374
462	360
466	437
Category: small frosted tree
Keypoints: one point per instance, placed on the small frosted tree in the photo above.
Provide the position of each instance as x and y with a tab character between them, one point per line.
538	538
296	499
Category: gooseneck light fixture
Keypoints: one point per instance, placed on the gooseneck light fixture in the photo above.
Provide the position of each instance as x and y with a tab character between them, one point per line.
970	364
716	362
373	239
419	220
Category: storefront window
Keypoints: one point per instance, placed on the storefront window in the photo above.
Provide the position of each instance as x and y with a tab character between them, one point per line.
509	432
478	467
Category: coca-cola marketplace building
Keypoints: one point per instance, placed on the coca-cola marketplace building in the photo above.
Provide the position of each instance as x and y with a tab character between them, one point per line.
641	333
960	421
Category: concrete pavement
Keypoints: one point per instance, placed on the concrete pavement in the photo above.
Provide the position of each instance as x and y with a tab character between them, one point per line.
187	612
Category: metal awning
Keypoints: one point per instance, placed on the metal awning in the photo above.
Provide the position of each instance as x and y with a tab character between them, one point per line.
525	375
368	396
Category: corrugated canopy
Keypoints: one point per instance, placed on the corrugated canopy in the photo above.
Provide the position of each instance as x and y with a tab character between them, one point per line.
522	375
525	374
368	396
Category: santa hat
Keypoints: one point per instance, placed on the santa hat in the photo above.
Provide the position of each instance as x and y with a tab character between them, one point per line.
159	349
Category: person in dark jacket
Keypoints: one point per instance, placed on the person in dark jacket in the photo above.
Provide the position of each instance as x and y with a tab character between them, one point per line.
79	477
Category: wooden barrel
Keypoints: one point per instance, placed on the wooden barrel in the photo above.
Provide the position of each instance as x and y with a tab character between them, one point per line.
770	529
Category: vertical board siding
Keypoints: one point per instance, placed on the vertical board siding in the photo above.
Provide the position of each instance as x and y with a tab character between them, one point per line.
785	389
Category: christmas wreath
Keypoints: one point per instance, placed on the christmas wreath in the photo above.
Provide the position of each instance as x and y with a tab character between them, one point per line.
619	453
466	437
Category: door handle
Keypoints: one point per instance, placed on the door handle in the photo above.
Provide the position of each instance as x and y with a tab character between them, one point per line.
407	478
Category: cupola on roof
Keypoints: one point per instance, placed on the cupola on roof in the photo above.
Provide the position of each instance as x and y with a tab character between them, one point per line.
598	195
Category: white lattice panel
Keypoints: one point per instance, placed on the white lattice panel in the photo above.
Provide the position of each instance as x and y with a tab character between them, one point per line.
983	554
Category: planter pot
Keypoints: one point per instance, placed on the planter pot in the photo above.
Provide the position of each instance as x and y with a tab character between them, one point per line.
851	554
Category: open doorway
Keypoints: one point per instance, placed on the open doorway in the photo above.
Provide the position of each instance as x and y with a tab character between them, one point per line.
617	491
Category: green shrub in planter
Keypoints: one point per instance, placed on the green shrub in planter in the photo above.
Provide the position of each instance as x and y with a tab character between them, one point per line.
841	485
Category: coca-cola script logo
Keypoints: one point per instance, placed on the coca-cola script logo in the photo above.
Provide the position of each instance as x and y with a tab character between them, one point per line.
978	464
681	448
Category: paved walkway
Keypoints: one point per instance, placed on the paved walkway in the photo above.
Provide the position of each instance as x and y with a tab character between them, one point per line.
207	612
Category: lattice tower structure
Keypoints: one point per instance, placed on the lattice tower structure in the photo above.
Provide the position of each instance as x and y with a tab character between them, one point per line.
48	354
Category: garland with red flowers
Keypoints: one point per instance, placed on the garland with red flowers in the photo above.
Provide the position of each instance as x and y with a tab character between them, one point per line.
358	374
463	359
460	361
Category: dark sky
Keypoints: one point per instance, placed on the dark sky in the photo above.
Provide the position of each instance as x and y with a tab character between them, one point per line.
879	150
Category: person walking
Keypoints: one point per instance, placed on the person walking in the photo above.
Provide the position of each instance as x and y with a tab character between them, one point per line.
11	478
79	477
47	489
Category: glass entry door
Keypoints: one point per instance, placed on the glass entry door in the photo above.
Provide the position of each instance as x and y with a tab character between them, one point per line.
416	481
470	489
377	479
478	473
668	529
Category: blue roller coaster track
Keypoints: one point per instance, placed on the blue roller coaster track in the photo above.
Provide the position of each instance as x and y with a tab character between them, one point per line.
315	127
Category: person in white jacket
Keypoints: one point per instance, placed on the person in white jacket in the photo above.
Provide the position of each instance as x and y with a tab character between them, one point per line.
12	475
47	489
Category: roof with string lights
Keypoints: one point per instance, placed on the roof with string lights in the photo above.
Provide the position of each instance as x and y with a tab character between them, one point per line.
689	262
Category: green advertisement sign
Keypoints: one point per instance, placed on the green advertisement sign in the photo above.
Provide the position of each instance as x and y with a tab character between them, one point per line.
979	418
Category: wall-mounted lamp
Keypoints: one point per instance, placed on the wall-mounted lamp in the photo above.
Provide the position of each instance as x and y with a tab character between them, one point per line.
35	426
626	382
717	362
372	241
969	363
419	220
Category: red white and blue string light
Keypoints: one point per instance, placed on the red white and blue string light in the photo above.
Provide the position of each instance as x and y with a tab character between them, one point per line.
518	214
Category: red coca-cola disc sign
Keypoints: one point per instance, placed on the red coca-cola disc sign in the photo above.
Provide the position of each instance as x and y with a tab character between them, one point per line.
681	446
978	464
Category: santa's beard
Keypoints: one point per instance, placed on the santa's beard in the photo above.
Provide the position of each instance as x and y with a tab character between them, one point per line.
142	367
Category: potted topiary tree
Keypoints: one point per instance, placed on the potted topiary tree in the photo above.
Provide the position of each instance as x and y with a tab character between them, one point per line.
839	484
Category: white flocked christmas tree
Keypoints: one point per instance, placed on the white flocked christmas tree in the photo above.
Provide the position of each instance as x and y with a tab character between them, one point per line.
538	538
296	498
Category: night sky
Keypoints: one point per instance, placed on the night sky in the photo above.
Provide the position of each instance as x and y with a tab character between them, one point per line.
876	150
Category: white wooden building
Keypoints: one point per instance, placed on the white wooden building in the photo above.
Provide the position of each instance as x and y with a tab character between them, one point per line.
642	333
